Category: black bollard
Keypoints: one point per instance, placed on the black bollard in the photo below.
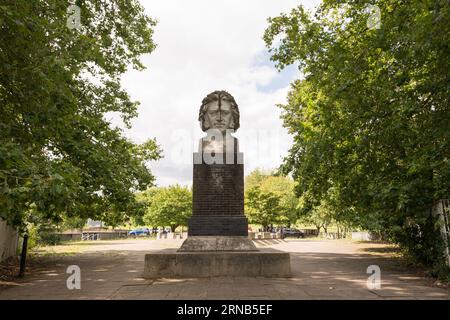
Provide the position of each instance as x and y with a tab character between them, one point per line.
23	256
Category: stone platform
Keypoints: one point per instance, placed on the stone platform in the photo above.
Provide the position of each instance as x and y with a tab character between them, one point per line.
176	264
219	243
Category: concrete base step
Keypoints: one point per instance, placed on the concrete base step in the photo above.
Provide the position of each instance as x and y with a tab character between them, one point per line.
174	264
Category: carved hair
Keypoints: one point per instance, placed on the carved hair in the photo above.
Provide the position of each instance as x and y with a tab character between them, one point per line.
218	96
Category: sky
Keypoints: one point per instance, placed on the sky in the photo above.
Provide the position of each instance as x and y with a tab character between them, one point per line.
203	46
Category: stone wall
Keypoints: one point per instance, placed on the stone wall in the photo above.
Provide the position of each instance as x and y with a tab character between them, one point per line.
9	239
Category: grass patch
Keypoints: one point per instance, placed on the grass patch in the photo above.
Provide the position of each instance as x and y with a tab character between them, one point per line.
56	251
69	248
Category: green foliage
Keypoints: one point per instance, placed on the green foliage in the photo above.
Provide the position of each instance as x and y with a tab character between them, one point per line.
281	187
170	206
42	234
320	216
44	231
49	237
73	223
262	207
33	238
255	178
441	272
370	118
58	154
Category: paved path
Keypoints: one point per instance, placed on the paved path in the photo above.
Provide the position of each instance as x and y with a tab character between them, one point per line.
326	269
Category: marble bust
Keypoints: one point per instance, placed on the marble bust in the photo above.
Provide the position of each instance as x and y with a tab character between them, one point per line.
219	118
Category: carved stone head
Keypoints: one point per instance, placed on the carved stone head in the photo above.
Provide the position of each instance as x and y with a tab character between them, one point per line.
219	111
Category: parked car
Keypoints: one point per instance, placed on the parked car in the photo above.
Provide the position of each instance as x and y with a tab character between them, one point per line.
139	232
290	232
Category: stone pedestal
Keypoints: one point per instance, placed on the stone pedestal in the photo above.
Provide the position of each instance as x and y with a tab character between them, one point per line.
218	196
217	242
218	222
173	264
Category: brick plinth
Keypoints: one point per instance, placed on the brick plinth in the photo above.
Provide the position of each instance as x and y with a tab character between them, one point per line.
218	198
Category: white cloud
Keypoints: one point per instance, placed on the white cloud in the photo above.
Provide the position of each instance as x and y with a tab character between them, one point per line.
204	46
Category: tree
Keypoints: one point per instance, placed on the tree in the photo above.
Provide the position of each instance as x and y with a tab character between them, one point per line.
281	186
320	216
370	117
255	178
262	207
58	153
74	223
170	206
